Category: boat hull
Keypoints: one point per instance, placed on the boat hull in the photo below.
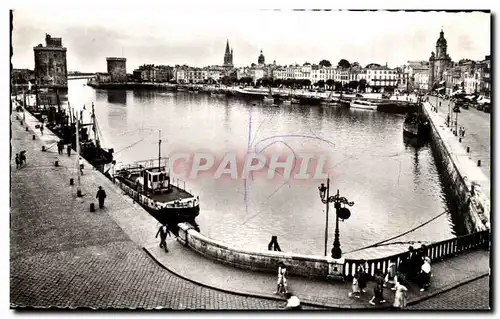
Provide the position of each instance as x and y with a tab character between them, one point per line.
169	213
363	107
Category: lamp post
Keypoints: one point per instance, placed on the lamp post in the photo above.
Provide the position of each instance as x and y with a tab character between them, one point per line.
341	213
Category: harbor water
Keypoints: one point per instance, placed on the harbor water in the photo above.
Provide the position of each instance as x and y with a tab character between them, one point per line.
395	186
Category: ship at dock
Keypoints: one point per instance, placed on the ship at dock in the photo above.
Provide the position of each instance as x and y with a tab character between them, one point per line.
415	124
149	184
62	122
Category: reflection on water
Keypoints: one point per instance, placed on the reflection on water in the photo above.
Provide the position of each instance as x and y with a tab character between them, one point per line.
394	185
117	96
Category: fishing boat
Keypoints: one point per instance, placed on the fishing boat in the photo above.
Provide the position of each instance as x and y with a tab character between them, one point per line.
330	100
416	125
149	184
269	98
362	104
91	150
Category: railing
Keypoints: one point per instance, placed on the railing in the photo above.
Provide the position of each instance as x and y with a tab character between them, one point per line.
436	251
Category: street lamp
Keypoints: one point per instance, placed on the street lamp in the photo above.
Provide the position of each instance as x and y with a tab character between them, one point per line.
341	212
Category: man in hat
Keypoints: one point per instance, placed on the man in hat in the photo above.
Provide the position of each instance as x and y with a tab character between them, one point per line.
101	195
163	231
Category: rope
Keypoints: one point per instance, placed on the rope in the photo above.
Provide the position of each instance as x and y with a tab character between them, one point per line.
409	231
130	146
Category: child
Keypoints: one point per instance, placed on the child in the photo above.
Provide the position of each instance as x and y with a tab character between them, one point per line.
425	279
281	279
400	297
379	289
390	278
355	286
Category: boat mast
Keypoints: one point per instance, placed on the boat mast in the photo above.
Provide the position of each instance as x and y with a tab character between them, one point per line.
94	128
159	150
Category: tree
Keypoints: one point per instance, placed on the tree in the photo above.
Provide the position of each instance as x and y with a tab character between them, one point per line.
338	86
343	63
321	84
362	85
226	80
353	85
306	82
330	83
325	63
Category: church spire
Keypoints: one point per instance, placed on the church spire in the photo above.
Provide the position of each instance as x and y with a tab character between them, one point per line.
227	47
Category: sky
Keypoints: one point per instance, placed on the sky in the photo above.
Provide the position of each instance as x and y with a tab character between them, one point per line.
197	37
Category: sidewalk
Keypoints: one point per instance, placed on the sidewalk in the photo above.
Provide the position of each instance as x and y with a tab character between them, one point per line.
190	265
477	126
466	163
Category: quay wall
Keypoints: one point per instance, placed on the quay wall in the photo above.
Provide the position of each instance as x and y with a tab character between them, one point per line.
266	261
460	173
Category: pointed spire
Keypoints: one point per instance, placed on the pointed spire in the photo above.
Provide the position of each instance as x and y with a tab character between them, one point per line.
227	47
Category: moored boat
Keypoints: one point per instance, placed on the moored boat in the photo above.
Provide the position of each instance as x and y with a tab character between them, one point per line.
362	104
149	184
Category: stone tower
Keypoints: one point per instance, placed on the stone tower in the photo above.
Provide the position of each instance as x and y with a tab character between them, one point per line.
228	56
262	59
439	62
50	64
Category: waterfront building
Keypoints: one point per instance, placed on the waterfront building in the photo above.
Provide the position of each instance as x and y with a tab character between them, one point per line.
117	69
421	80
50	64
261	60
228	56
180	75
439	62
102	77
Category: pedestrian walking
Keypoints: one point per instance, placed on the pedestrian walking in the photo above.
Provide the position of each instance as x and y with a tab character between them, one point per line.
162	231
22	158
282	284
355	286
292	302
101	195
425	275
18	161
362	276
68	150
41	128
60	147
378	290
400	296
80	162
391	276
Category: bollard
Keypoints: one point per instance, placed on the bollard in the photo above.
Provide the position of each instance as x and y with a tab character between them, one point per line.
478	162
92	207
56	164
468	149
78	193
33	136
43	148
71	181
27	129
460	140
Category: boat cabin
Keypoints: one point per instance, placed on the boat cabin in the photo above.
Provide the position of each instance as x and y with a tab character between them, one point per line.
156	181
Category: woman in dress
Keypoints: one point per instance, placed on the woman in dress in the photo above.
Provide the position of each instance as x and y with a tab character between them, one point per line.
400	297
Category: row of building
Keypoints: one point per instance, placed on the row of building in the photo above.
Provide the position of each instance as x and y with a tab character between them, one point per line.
439	72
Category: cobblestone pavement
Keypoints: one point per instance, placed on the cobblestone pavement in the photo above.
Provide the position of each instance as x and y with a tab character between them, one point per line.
62	255
471	296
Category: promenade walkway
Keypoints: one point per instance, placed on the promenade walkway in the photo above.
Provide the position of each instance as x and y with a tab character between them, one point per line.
63	255
477	132
477	139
